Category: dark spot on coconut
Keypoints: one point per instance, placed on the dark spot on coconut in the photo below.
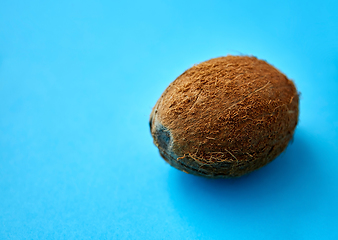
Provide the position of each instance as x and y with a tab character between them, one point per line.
162	135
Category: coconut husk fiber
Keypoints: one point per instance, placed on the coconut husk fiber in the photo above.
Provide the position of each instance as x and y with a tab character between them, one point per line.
225	117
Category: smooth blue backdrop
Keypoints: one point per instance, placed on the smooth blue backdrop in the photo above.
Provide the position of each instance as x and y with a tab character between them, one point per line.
78	80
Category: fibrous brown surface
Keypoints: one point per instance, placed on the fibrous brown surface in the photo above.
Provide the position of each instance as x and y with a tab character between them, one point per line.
225	117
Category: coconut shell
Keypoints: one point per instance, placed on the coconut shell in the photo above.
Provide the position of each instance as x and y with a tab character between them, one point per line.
225	117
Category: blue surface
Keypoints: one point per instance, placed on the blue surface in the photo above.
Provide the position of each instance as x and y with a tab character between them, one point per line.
78	80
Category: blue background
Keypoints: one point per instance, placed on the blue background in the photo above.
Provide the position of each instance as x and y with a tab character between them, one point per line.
78	80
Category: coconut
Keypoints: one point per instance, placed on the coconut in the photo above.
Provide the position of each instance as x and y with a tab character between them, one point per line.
225	117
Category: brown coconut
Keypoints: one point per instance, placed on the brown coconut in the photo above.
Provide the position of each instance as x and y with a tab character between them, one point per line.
225	117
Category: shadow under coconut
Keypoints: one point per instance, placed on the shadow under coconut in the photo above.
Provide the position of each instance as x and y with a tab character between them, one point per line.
270	196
